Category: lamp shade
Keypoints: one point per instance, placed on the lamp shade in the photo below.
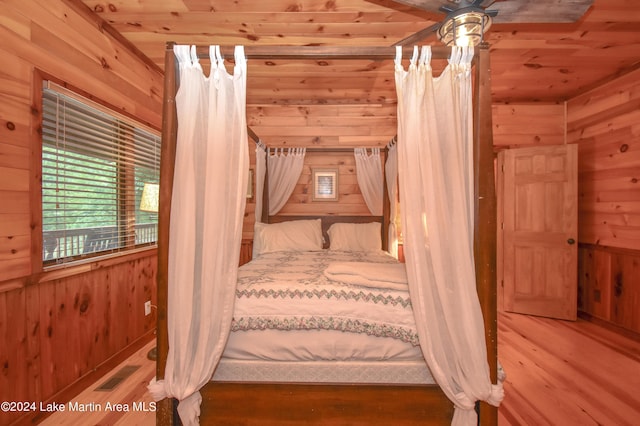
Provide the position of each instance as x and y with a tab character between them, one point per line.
149	199
464	28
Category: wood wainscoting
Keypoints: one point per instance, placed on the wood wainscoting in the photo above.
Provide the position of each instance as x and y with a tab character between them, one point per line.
609	285
61	327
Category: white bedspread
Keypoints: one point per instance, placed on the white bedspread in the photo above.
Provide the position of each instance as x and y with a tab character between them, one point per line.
287	294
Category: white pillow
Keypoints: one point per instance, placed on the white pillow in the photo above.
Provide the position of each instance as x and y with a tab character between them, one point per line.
301	235
355	236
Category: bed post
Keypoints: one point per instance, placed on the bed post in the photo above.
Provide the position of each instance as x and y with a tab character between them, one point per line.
164	413
265	190
386	203
485	219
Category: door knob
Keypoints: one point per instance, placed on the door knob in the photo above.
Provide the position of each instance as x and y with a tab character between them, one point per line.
571	241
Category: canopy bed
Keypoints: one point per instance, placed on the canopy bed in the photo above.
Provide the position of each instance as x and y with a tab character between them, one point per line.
335	400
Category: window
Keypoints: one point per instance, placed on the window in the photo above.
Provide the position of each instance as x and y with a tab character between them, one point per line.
95	163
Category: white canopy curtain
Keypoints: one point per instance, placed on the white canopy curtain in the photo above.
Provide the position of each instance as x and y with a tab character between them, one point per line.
437	206
284	170
261	170
208	202
391	173
370	180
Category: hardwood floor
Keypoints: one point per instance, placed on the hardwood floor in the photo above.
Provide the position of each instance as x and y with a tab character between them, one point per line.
128	404
567	373
558	373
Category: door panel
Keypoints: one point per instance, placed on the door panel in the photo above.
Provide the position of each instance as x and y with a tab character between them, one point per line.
539	231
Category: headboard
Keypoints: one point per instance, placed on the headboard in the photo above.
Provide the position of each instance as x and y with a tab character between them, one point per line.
329	220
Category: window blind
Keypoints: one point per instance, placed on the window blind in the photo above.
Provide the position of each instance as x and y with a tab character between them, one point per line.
95	163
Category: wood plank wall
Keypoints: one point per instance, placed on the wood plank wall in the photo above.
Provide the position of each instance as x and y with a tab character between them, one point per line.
61	40
56	327
527	125
322	126
605	122
339	125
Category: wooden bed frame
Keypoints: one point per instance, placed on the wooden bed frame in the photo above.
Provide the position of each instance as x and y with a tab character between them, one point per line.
328	404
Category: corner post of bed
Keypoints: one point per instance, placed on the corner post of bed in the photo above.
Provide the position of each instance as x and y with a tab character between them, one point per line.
164	412
386	203
486	222
265	191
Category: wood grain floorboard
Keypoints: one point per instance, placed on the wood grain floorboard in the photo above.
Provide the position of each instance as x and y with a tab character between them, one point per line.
558	373
567	373
104	408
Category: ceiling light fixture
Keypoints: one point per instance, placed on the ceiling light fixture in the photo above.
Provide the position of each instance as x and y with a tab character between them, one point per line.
464	27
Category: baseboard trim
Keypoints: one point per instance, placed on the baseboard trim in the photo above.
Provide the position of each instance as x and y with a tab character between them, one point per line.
609	326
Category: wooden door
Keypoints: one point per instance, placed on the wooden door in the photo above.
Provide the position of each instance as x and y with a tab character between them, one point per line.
539	230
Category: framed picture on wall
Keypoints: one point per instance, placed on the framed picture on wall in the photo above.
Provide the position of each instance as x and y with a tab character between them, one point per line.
325	184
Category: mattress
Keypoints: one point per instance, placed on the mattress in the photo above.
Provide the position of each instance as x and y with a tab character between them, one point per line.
292	323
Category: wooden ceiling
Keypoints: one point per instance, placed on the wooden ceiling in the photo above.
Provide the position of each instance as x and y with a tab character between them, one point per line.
530	62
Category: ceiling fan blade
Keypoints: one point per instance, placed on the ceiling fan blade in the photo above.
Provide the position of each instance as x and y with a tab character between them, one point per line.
540	11
512	11
444	6
428	5
419	36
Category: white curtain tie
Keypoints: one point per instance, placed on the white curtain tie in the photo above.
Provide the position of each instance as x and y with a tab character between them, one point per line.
497	391
425	56
157	389
194	55
464	413
188	408
497	395
239	55
182	53
414	58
